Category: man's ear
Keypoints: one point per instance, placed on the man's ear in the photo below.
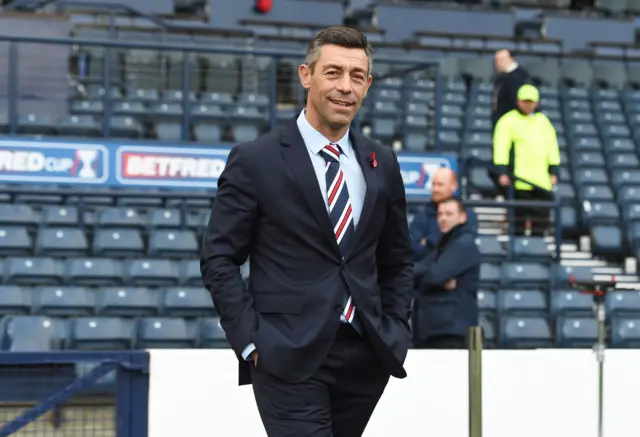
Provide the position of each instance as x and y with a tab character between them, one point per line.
369	80
304	72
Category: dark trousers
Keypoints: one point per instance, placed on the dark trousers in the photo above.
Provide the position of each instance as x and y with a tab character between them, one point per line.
539	217
444	342
335	402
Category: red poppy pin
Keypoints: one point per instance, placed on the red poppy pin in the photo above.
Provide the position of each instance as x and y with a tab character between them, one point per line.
374	163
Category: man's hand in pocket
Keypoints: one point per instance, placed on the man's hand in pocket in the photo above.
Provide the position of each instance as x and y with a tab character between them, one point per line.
254	357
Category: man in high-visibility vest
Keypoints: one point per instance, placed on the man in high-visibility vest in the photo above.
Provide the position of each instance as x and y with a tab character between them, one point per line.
525	144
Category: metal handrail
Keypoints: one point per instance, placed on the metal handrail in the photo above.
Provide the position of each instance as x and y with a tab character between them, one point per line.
510	203
186	49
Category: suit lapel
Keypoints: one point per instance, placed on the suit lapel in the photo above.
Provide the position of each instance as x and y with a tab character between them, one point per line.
297	158
363	151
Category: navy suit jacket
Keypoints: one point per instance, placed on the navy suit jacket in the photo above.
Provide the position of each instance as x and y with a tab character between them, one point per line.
269	208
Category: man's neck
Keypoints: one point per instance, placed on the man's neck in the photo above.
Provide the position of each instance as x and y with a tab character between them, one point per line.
331	134
511	67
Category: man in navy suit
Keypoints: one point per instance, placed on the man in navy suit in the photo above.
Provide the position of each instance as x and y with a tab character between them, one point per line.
320	212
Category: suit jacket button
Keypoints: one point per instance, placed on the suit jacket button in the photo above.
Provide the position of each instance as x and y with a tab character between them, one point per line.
338	309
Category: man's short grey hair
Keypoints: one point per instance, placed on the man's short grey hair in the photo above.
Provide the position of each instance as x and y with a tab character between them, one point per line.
340	36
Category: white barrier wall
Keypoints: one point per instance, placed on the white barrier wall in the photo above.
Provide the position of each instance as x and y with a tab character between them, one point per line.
525	393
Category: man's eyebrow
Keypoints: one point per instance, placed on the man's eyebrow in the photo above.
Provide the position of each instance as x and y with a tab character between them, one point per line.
330	66
338	67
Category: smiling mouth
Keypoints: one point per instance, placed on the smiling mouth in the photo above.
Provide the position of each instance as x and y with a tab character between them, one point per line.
341	103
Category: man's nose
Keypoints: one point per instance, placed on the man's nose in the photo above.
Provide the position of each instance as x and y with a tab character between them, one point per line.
344	84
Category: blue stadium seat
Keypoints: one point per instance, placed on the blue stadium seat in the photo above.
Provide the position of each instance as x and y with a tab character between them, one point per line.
190	273
623	303
525	332
173	244
63	301
17	215
525	274
119	218
153	273
14	300
596	193
168	333
118	243
489	330
101	333
490	248
487	303
33	271
60	215
629	194
188	302
607	240
61	242
78	126
489	274
600	213
625	332
247	123
34	334
571	303
530	249
522	302
576	332
212	335
94	272
128	302
561	275
15	241
164	218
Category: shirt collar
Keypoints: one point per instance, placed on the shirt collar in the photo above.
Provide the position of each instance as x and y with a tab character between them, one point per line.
315	141
512	67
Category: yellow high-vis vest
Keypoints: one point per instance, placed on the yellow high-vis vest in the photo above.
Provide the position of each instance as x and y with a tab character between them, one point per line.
535	147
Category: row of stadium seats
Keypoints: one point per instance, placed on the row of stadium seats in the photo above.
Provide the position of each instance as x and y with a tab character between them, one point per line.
107	333
165	272
189	302
29	333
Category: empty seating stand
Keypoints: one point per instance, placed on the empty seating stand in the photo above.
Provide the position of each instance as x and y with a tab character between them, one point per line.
122	272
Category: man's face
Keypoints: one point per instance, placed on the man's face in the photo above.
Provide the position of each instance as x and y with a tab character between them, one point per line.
527	106
337	85
441	187
449	216
502	61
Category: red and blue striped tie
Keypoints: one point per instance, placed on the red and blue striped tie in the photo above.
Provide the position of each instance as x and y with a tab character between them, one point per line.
341	215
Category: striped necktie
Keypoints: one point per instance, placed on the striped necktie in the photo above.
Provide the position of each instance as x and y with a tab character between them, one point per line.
341	215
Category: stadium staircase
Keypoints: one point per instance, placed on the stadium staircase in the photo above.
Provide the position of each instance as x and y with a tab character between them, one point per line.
492	221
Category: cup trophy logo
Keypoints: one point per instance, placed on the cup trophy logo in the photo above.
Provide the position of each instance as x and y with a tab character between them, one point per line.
85	158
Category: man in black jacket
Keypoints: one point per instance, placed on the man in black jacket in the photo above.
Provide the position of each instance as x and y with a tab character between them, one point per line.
447	283
511	76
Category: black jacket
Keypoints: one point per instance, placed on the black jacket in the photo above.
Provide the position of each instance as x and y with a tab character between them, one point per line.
275	215
505	91
447	312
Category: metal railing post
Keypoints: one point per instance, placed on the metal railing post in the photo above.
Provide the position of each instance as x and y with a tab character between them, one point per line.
475	381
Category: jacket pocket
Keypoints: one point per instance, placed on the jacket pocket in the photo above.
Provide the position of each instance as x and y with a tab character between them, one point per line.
278	303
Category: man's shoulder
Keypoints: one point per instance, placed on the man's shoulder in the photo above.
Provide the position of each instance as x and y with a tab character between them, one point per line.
467	240
383	153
